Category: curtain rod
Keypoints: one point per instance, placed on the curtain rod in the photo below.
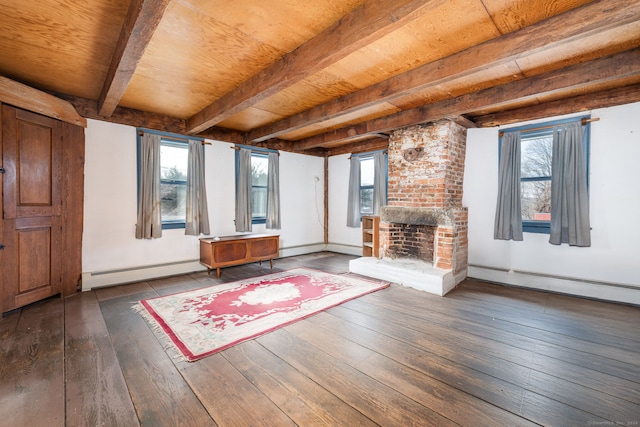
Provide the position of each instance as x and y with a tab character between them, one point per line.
367	152
583	121
203	142
257	149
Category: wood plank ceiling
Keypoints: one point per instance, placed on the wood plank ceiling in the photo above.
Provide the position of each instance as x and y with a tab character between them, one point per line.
323	77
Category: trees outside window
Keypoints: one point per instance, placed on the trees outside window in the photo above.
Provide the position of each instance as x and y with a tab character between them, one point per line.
535	170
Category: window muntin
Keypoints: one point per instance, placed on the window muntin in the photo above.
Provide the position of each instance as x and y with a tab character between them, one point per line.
366	185
173	183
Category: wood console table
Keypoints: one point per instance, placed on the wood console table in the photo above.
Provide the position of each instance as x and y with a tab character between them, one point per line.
235	250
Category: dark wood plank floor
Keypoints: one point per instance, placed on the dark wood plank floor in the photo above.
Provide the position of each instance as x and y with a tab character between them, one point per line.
484	355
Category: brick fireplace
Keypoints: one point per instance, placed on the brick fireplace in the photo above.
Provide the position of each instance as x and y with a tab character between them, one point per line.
423	228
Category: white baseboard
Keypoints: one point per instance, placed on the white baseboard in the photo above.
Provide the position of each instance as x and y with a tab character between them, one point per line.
566	285
99	279
344	249
301	250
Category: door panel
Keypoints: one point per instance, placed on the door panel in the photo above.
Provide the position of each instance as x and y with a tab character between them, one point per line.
32	161
32	207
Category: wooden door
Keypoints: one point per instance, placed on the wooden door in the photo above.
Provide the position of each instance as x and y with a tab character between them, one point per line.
31	207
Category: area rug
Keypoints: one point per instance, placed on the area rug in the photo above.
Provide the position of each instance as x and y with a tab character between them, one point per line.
205	321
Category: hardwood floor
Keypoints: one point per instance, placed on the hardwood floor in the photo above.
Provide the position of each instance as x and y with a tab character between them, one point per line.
483	355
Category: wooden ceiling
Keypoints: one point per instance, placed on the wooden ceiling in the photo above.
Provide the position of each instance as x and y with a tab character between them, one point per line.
323	77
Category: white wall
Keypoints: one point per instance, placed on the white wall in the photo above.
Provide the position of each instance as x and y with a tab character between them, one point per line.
341	238
110	209
609	269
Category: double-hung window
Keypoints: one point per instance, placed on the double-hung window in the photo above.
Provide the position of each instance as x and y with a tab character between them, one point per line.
259	177
536	160
173	182
366	185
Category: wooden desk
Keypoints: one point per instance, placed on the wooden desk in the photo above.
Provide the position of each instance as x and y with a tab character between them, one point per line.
235	250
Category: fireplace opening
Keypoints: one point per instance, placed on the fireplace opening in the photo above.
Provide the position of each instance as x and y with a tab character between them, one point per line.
413	241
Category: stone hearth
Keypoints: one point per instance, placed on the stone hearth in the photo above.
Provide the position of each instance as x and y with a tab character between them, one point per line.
423	229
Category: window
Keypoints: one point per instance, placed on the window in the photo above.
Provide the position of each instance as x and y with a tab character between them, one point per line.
366	185
259	175
536	154
173	182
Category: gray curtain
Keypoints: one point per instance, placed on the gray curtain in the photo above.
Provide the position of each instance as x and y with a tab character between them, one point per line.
197	218
273	192
149	224
379	182
353	202
243	191
508	221
569	197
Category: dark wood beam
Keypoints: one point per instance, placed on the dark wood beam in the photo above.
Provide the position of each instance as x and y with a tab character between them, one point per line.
590	101
126	116
615	67
360	147
566	28
139	25
369	22
23	96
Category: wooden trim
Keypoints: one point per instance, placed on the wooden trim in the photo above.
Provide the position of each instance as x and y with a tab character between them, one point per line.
611	68
369	22
562	29
140	23
326	200
31	99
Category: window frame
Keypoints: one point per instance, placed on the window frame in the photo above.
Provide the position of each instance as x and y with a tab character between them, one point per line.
369	156
538	130
167	138
168	142
263	153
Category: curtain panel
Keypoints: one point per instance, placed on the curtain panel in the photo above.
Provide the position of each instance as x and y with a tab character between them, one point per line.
353	202
243	191
508	219
273	192
149	223
197	215
379	181
569	194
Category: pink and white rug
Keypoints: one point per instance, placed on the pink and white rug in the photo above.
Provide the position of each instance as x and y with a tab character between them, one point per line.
205	321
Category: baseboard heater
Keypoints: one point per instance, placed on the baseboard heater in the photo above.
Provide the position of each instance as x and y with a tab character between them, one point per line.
120	276
97	279
608	291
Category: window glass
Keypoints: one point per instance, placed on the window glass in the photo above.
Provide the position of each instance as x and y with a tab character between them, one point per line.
173	181
259	175
366	185
535	171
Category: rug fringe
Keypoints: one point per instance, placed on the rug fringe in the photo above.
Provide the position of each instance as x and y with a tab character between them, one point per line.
169	347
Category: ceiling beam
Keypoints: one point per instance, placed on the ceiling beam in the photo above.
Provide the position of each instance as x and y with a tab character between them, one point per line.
369	22
23	96
139	25
360	147
569	27
575	104
615	67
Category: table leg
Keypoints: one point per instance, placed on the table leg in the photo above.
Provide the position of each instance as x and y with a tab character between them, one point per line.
218	272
